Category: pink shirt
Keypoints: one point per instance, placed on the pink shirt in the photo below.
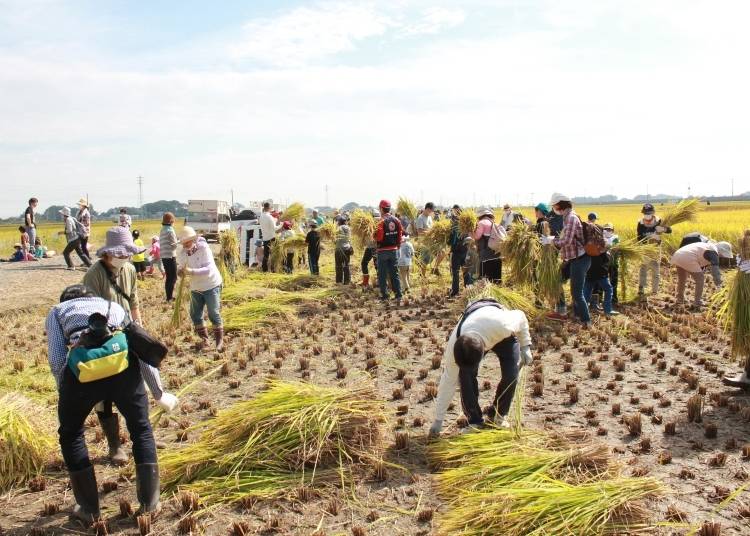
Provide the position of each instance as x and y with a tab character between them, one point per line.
484	228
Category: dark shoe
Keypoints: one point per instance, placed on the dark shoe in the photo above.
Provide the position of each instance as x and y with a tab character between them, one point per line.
111	428
85	491
219	338
147	488
202	332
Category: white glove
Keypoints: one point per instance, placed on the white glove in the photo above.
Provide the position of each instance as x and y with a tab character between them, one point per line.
547	240
526	357
744	267
435	428
660	229
168	401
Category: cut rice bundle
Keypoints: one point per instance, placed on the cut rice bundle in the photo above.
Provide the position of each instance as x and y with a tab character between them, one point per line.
684	211
363	227
294	213
521	251
405	207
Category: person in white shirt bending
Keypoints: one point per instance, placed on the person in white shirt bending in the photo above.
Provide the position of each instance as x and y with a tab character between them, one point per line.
484	326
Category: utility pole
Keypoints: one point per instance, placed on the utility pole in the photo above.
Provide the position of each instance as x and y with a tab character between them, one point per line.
140	191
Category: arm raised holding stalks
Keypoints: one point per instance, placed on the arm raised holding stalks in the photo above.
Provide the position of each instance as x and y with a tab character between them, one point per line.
484	326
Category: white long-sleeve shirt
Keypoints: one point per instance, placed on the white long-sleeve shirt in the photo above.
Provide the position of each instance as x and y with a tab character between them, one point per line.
204	275
67	320
493	325
268	226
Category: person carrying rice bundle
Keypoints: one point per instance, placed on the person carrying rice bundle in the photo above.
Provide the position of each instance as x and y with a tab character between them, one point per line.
90	360
312	239
286	233
343	252
693	259
484	326
196	260
488	236
459	247
388	239
739	312
650	229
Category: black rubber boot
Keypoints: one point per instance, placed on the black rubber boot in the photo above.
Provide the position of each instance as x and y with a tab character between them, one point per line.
85	491
147	487
111	427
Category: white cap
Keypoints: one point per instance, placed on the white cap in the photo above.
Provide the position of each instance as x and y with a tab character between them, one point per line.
187	234
557	197
725	249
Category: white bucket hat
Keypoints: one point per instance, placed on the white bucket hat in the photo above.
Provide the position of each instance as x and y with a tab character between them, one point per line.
187	234
557	197
65	211
725	249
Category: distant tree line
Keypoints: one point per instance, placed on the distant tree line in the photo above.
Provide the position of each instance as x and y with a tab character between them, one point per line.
149	210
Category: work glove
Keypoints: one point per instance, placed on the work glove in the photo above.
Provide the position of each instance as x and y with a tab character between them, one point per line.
744	267
660	229
526	357
435	429
546	240
168	401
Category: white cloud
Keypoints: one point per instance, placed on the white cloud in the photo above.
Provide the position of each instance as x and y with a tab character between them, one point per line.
309	33
435	20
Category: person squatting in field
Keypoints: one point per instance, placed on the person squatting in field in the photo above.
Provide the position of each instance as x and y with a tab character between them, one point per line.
484	326
196	260
79	323
692	259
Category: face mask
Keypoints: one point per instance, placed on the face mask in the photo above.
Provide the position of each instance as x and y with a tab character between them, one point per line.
557	211
608	234
648	218
117	263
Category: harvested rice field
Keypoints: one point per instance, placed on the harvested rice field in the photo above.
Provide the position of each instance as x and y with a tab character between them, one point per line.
626	427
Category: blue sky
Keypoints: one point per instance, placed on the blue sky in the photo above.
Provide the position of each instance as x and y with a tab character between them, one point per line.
491	101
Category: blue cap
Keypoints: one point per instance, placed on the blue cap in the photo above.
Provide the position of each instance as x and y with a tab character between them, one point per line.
593	216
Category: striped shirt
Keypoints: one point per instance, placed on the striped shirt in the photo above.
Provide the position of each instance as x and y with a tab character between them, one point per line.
570	240
67	320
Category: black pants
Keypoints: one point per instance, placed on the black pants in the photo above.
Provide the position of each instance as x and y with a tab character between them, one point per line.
77	400
491	269
170	269
75	245
85	246
314	256
508	352
458	259
343	270
368	256
289	263
614	275
267	253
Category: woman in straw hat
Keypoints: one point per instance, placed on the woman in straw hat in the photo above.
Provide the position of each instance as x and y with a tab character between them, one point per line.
84	218
196	260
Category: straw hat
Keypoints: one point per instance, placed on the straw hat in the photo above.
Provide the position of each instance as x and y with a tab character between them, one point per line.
119	243
187	234
83	202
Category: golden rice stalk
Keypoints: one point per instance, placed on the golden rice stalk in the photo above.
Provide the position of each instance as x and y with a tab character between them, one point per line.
277	256
684	211
230	253
26	441
467	221
732	306
295	242
287	429
363	227
510	299
294	213
405	207
180	300
549	286
328	231
521	252
437	237
635	252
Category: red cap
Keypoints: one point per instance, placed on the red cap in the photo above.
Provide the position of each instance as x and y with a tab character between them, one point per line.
287	225
384	204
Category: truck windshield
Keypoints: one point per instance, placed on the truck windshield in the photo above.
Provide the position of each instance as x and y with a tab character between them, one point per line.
201	217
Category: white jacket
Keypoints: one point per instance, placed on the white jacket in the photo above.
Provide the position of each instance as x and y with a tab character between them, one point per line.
493	325
204	275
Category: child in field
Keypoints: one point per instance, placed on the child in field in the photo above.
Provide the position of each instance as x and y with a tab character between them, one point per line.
405	255
139	259
41	251
17	256
25	246
313	247
155	257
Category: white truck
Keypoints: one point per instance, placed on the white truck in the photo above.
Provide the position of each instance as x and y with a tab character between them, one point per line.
208	217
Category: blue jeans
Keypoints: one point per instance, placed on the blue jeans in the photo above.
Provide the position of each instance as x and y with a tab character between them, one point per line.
211	299
601	284
388	268
31	231
578	269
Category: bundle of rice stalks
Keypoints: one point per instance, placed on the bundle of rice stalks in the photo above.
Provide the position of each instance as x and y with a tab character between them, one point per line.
294	213
327	231
26	442
632	252
181	298
405	207
554	507
467	221
230	252
258	446
684	211
734	306
508	298
436	238
257	312
277	256
521	252
363	227
295	242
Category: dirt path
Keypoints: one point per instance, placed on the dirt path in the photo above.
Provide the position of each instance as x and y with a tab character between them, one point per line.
25	285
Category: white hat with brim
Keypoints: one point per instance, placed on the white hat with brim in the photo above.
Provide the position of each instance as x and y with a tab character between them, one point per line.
119	243
557	197
83	202
187	234
485	212
65	211
725	249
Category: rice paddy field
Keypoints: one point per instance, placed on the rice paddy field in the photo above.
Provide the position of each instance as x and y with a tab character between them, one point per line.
314	419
